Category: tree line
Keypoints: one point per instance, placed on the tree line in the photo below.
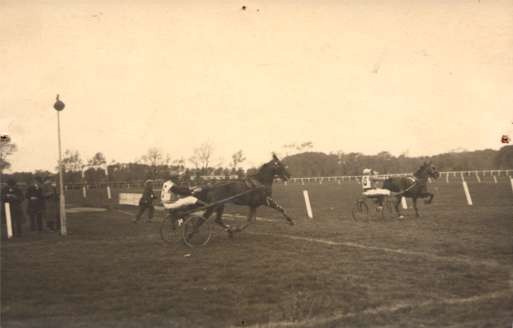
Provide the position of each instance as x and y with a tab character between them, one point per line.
301	160
312	164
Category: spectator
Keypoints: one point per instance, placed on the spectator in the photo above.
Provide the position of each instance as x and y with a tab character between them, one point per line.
146	202
52	211
36	204
14	196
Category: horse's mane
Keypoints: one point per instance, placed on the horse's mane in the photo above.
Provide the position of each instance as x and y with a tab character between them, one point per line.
261	169
419	171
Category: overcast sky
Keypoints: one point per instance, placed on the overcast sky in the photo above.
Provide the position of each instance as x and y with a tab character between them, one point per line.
418	76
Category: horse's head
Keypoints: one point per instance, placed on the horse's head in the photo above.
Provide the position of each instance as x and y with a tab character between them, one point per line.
272	169
279	169
427	170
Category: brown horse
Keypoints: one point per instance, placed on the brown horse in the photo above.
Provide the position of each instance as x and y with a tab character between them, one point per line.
412	187
254	192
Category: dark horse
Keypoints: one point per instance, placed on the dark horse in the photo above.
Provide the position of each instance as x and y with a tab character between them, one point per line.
412	187
255	191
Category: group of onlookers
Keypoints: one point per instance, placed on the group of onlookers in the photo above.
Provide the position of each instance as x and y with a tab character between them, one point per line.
42	205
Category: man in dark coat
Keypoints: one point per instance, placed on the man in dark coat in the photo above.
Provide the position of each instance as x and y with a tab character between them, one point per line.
35	205
52	205
146	202
14	196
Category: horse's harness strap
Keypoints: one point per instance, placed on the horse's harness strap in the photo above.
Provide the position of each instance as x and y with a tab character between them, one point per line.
413	185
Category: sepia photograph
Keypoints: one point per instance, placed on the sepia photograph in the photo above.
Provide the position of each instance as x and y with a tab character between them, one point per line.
264	164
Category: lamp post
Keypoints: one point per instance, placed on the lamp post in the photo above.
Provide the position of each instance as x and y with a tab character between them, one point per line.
59	106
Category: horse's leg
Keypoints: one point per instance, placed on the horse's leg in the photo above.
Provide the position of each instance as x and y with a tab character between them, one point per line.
414	199
251	218
272	204
203	218
219	219
430	199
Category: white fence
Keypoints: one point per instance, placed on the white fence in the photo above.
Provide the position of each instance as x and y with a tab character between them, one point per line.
447	174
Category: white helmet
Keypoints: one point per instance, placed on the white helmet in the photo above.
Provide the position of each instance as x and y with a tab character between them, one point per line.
367	171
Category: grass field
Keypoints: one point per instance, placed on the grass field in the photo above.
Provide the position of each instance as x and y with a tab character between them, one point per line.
453	267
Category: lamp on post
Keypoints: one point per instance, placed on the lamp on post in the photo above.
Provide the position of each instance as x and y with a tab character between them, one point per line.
59	106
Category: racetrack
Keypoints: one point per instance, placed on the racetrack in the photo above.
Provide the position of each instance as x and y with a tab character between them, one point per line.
452	267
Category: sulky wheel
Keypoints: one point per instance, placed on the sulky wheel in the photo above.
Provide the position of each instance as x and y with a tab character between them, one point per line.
196	231
360	211
170	229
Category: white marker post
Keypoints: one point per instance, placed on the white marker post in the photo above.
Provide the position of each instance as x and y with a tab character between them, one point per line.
109	195
511	180
467	193
403	203
307	203
429	180
447	178
494	179
478	178
84	189
8	220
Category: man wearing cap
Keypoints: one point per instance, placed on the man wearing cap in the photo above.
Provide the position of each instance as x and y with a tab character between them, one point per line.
36	204
14	196
146	202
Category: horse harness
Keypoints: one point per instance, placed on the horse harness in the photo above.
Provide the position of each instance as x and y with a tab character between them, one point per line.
414	180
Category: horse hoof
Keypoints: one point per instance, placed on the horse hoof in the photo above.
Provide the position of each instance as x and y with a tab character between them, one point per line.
401	217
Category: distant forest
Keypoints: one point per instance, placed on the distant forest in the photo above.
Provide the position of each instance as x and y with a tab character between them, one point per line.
303	164
311	164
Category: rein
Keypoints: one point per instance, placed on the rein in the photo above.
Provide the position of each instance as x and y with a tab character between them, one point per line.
222	201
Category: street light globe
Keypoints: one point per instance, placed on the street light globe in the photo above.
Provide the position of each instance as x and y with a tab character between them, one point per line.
59	105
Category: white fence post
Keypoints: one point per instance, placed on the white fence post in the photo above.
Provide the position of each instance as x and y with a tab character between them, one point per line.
307	203
478	178
494	179
8	219
447	177
403	203
467	193
511	180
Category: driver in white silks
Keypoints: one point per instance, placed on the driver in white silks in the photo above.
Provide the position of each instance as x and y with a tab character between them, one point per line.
370	189
174	196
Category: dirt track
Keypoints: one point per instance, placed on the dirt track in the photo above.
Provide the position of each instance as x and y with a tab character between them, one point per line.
452	267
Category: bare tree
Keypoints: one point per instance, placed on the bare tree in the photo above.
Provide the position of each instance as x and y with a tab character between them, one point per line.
237	159
72	161
202	156
6	149
155	159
